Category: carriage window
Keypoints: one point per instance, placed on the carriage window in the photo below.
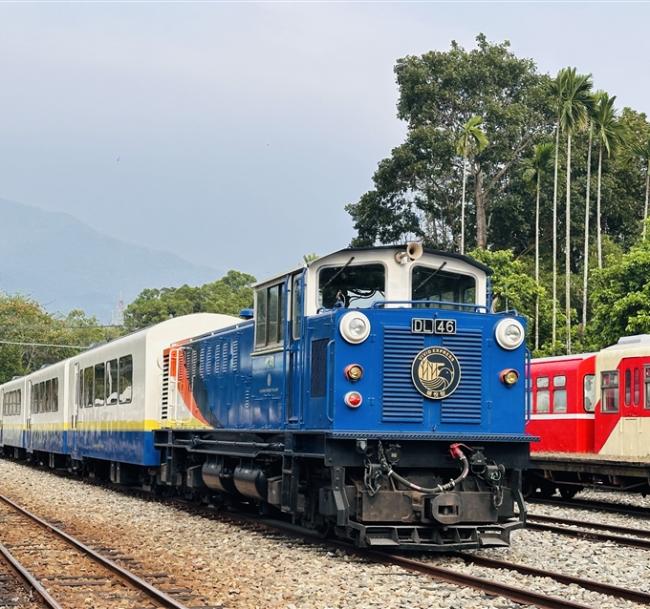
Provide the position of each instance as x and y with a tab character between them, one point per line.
89	385
358	286
11	403
609	399
637	386
111	382
542	403
99	384
628	386
589	392
443	286
269	316
559	393
125	387
646	372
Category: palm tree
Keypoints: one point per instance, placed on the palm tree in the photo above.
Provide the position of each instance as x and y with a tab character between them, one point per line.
556	92
471	142
609	133
585	265
576	103
644	152
535	167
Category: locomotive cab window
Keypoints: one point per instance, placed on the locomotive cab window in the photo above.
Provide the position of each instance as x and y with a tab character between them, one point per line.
357	287
610	397
428	283
269	316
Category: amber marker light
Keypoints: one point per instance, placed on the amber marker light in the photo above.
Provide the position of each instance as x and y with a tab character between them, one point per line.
353	399
509	377
353	372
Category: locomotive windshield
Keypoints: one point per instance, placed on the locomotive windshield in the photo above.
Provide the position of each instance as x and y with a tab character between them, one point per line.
352	286
428	283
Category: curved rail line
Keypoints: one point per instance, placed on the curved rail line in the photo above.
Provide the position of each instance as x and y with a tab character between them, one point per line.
154	595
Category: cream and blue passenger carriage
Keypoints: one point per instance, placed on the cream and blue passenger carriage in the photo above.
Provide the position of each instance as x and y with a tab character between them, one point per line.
103	404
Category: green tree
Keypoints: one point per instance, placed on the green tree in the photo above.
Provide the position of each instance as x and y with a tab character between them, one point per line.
620	297
30	337
227	295
576	102
416	190
535	168
609	133
643	150
471	142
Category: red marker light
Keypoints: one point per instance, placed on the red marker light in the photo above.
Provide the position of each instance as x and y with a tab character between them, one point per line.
353	399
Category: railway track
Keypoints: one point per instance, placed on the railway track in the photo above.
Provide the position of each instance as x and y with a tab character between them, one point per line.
592	505
457	577
64	572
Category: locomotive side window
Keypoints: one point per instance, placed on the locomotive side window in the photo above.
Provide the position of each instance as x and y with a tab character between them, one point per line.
296	313
609	398
646	373
543	401
269	316
559	393
443	286
358	286
589	392
125	386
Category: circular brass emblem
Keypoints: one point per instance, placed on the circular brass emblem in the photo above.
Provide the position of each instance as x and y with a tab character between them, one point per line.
435	372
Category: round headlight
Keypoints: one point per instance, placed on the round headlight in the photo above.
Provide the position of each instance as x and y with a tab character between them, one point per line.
509	333
354	327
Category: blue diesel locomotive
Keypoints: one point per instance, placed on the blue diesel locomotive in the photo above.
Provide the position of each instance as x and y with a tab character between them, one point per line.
373	395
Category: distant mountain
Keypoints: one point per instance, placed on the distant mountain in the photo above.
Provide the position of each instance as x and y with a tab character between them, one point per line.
64	264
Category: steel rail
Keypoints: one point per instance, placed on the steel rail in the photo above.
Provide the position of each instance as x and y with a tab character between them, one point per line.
153	593
584	504
589	524
516	594
29	578
635	542
602	588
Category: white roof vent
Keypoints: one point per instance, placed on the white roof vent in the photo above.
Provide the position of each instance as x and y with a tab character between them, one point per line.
637	339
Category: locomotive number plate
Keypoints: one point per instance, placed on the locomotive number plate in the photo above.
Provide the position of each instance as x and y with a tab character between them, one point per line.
433	326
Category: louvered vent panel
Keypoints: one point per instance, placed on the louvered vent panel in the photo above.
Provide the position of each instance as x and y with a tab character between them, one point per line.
235	355
217	358
224	356
401	402
202	362
164	404
208	360
464	405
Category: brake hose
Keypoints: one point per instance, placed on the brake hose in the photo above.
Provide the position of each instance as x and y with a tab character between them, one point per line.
457	453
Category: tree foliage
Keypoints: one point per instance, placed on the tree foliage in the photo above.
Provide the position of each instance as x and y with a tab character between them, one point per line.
228	295
30	337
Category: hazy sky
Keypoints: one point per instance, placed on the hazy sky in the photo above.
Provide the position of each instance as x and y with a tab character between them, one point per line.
234	134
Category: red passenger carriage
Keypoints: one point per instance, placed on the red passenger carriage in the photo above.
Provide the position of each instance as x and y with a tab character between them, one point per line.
592	414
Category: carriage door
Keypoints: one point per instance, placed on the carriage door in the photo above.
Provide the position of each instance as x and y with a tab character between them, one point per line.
295	352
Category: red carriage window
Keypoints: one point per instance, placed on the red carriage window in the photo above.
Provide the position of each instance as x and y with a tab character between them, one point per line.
609	382
637	386
559	393
628	386
543	402
589	392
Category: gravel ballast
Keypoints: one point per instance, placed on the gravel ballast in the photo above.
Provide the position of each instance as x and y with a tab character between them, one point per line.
222	564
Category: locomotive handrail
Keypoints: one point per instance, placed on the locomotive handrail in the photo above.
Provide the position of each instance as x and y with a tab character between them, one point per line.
463	305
